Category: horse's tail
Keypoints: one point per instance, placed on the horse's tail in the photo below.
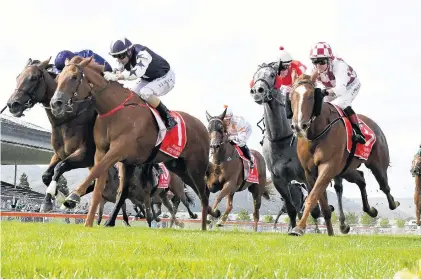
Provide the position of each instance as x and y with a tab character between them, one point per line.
189	196
268	190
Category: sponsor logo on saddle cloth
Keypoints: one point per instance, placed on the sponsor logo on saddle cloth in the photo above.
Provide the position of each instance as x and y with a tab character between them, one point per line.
173	141
362	151
251	175
164	178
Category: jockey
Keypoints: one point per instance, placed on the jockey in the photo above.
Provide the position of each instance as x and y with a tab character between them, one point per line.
339	79
63	55
153	74
239	131
288	69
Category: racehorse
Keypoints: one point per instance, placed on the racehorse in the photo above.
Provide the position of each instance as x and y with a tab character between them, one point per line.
416	172
71	136
326	148
128	131
279	147
229	172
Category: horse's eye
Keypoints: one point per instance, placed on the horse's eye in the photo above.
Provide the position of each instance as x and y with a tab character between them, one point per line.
34	78
74	77
272	75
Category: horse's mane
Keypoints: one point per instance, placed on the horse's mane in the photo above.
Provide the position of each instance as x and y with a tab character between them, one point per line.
270	64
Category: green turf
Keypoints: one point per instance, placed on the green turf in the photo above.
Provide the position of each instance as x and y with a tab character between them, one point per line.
35	250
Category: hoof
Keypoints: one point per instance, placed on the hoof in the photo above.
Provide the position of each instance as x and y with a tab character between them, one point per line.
194	216
157	219
47	178
332	209
219	224
373	212
71	201
208	221
109	223
60	197
397	203
296	232
126	224
344	229
46	207
217	213
181	224
209	217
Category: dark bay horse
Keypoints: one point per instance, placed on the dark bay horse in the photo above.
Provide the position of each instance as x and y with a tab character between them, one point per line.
322	149
226	171
279	147
72	133
127	131
416	172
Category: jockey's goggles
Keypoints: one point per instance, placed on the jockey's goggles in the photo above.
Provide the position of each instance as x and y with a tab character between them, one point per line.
321	61
120	55
284	66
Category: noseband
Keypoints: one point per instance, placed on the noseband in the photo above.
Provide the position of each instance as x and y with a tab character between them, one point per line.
31	93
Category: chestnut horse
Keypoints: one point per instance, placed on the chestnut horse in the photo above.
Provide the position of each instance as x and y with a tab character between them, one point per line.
127	131
72	134
322	149
416	172
226	173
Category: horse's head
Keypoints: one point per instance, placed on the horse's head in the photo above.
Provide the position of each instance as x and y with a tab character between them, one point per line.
75	84
264	82
217	130
31	87
306	103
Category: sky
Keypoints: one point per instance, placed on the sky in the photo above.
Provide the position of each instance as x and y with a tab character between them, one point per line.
215	46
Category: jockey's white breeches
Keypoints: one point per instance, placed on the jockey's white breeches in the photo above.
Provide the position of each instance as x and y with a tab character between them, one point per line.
157	87
345	100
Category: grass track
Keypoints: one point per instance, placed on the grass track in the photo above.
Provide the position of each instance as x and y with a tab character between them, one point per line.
36	250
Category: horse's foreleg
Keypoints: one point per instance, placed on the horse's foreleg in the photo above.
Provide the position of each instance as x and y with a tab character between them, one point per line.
325	175
47	204
168	204
100	210
125	216
103	162
224	217
96	199
326	213
226	189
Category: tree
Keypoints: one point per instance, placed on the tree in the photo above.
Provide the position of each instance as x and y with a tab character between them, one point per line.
351	218
243	215
400	223
268	219
62	185
23	181
384	223
366	220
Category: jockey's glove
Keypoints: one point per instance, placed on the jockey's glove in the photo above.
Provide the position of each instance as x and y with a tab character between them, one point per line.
110	76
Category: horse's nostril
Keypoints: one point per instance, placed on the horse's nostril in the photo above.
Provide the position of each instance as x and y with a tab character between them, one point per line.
252	91
304	126
292	126
57	103
15	104
261	90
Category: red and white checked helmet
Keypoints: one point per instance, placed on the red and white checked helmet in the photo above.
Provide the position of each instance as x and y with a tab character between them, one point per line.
321	50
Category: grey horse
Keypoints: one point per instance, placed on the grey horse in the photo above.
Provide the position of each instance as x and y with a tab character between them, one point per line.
279	147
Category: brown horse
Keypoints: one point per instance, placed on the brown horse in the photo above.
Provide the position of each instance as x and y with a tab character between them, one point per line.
416	172
127	132
71	150
322	149
226	174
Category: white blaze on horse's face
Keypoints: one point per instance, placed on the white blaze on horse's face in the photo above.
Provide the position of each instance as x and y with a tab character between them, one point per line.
300	123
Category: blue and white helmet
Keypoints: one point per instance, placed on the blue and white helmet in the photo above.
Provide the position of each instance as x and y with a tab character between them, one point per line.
120	46
61	59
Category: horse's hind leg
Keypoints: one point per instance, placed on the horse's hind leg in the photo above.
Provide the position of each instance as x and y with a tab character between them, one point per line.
100	210
357	177
381	177
417	199
339	189
277	217
257	199
327	215
170	208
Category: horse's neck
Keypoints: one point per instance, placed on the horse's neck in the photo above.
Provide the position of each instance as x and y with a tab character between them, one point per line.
112	96
276	123
50	88
322	121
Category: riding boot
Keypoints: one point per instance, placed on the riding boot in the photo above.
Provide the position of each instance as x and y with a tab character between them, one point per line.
247	154
359	136
169	121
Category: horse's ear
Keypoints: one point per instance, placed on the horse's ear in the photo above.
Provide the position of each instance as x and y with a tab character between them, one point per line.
208	116
28	62
86	61
44	64
222	116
